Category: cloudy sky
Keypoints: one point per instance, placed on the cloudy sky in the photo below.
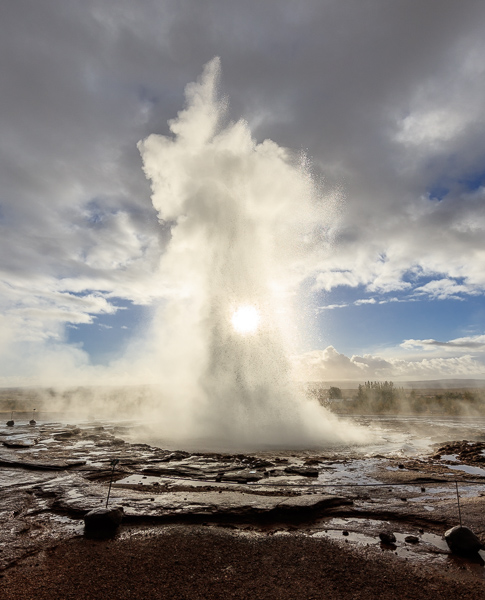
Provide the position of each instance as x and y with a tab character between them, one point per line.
385	98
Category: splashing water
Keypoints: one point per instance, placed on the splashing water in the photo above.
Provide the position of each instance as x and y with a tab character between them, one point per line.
243	218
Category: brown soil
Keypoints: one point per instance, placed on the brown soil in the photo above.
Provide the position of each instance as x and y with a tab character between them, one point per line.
192	563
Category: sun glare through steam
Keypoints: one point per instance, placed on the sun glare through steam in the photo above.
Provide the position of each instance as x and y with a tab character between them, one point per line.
245	320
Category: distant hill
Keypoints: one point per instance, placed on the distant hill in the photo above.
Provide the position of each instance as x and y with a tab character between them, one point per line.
443	383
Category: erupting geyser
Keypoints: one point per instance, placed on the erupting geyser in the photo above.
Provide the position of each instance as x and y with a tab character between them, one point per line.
245	222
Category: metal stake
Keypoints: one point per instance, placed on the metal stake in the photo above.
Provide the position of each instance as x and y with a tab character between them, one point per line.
113	464
458	500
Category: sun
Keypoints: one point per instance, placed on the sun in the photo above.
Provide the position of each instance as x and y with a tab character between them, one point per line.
245	320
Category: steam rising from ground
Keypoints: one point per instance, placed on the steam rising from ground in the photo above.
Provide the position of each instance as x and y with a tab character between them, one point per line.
243	220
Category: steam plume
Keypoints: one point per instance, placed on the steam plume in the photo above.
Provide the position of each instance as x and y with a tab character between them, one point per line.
243	220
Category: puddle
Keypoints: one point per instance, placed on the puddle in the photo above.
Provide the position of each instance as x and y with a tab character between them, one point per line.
350	473
426	539
365	523
140	480
336	534
342	530
468	469
436	493
450	457
435	540
430	546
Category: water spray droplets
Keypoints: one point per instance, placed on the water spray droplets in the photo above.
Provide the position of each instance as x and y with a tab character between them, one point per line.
238	211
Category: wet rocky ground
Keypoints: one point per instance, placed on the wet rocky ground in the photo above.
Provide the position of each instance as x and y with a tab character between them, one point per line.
53	473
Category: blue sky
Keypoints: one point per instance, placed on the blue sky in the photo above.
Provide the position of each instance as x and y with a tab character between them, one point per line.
378	326
107	337
386	101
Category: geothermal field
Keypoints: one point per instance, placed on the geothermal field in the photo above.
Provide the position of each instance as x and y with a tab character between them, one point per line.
232	482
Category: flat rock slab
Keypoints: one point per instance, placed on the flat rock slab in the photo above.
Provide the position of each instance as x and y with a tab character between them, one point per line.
72	494
304	471
19	442
232	504
242	476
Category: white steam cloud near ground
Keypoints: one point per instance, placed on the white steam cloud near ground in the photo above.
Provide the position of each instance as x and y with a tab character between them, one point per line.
385	98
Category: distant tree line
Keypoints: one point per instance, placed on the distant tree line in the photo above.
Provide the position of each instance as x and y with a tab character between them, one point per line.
378	397
383	397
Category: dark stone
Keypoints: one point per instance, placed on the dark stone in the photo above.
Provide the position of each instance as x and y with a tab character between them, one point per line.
103	520
116	442
10	423
177	455
462	540
262	463
345	533
411	539
67	434
305	471
387	537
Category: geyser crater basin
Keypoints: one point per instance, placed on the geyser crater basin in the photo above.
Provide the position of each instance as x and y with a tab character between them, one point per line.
225	445
308	427
397	436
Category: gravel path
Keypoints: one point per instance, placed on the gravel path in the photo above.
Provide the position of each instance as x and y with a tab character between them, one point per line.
192	563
